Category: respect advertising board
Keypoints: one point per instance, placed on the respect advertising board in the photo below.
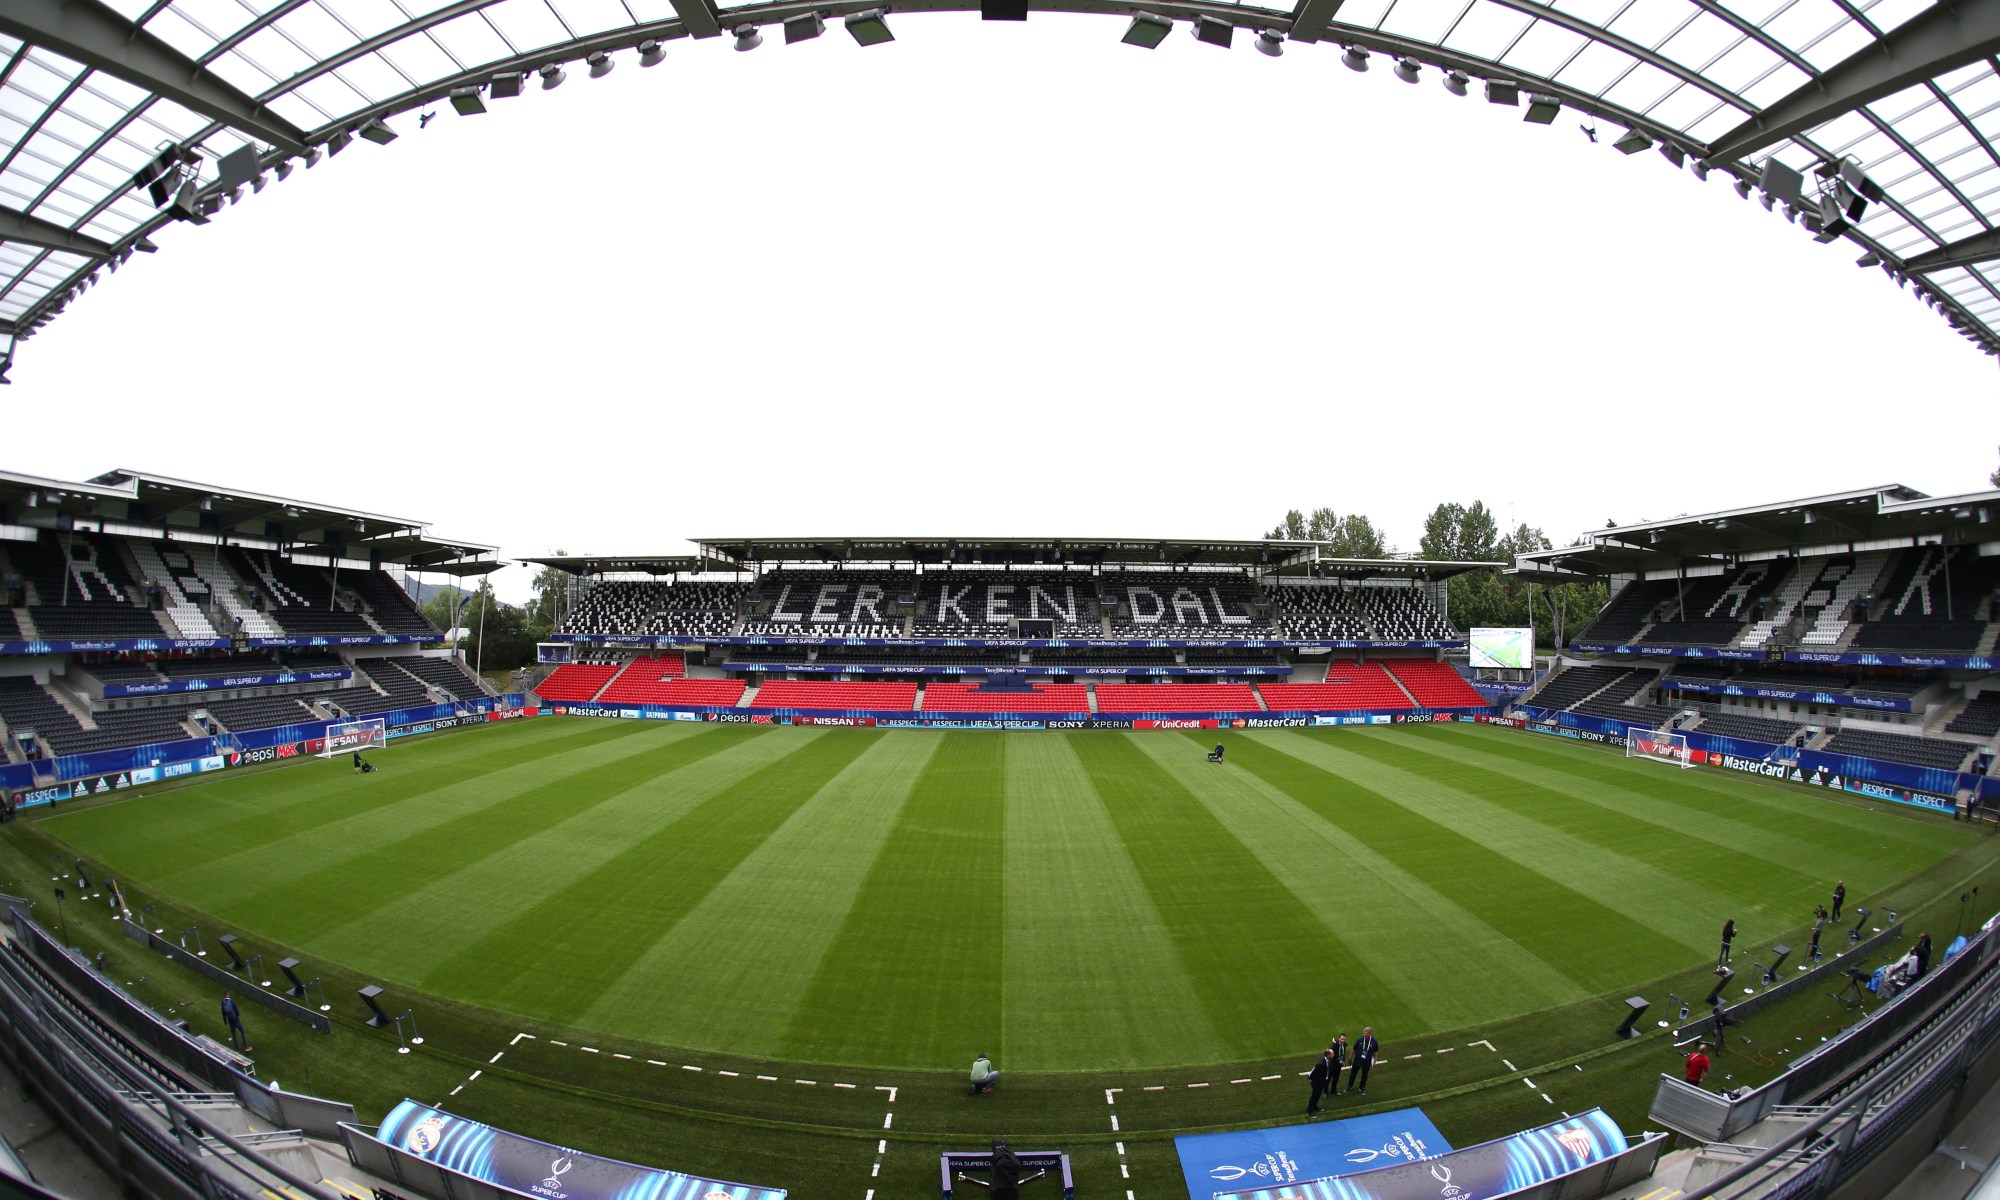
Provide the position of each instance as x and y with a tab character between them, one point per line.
540	1169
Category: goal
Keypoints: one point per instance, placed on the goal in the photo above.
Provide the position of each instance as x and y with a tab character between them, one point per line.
369	733
1661	747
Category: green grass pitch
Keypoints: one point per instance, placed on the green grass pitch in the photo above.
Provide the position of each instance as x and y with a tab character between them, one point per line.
1091	909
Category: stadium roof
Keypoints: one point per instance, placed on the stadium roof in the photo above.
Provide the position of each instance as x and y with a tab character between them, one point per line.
133	502
119	118
732	554
1844	522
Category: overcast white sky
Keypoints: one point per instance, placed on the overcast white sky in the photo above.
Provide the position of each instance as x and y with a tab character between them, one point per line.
998	279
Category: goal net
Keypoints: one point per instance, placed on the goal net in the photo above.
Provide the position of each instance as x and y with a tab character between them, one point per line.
368	733
1661	747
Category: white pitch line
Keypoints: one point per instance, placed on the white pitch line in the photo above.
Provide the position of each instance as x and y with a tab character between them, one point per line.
626	1057
554	1043
807	1082
1124	1172
1121	1149
475	1075
687	1067
882	1146
588	1049
1508	1065
1408	1057
1158	1087
1114	1122
731	1074
1110	1097
875	1172
848	1086
768	1078
1197	1085
1545	1096
871	1194
890	1090
519	1036
1447	1050
494	1059
1240	1081
1529	1082
654	1062
455	1091
1481	1042
1269	1078
888	1120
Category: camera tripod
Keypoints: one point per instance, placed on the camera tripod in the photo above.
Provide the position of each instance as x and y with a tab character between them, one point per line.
1852	994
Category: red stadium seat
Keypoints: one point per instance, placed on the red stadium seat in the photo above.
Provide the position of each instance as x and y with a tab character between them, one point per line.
828	694
576	681
644	680
966	697
1348	686
1435	684
1176	697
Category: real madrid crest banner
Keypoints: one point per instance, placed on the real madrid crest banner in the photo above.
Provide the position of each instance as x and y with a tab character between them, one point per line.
539	1169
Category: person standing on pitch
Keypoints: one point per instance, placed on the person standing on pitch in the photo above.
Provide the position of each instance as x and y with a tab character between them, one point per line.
1365	1050
1321	1077
1728	936
1697	1064
1839	895
1339	1049
234	1019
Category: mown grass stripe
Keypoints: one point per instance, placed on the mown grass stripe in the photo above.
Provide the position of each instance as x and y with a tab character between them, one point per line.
1495	863
1269	801
762	931
633	875
1248	946
914	975
439	833
1092	975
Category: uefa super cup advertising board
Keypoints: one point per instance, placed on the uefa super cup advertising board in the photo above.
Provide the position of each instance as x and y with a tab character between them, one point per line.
538	1169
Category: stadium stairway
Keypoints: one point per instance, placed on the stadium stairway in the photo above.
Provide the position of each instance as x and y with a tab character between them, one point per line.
1090	694
749	697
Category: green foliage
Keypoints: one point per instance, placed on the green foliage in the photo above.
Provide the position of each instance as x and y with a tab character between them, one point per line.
1351	536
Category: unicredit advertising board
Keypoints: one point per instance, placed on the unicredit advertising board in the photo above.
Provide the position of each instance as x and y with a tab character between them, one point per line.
1482	1172
538	1169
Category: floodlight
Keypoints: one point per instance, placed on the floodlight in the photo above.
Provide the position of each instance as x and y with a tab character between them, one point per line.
380	1018
1500	91
868	28
650	54
1743	188
186	205
338	142
312	157
284	169
600	64
1407	69
1147	29
467	101
1270	43
1767	200
1782	182
1700	169
747	38
1355	58
1633	142
1457	82
145	246
1542	109
508	86
804	27
236	168
552	76
1214	32
1673	154
1870	259
377	131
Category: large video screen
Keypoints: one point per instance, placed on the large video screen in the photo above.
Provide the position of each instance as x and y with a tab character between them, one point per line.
1507	649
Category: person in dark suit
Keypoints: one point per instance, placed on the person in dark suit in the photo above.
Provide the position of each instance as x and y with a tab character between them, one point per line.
1321	1077
1005	1178
1365	1050
1839	895
1819	923
233	1018
1339	1050
1922	951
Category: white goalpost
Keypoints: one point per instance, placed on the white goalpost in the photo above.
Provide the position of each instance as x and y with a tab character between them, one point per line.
1660	747
346	737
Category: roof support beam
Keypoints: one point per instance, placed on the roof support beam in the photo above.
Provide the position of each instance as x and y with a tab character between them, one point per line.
1979	248
1940	39
20	227
96	36
1311	18
699	18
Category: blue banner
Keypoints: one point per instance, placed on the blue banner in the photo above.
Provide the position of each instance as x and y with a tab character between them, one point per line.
106	645
1731	653
221	683
1289	1154
635	639
346	639
1845	699
531	1168
1498	1168
1884	658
